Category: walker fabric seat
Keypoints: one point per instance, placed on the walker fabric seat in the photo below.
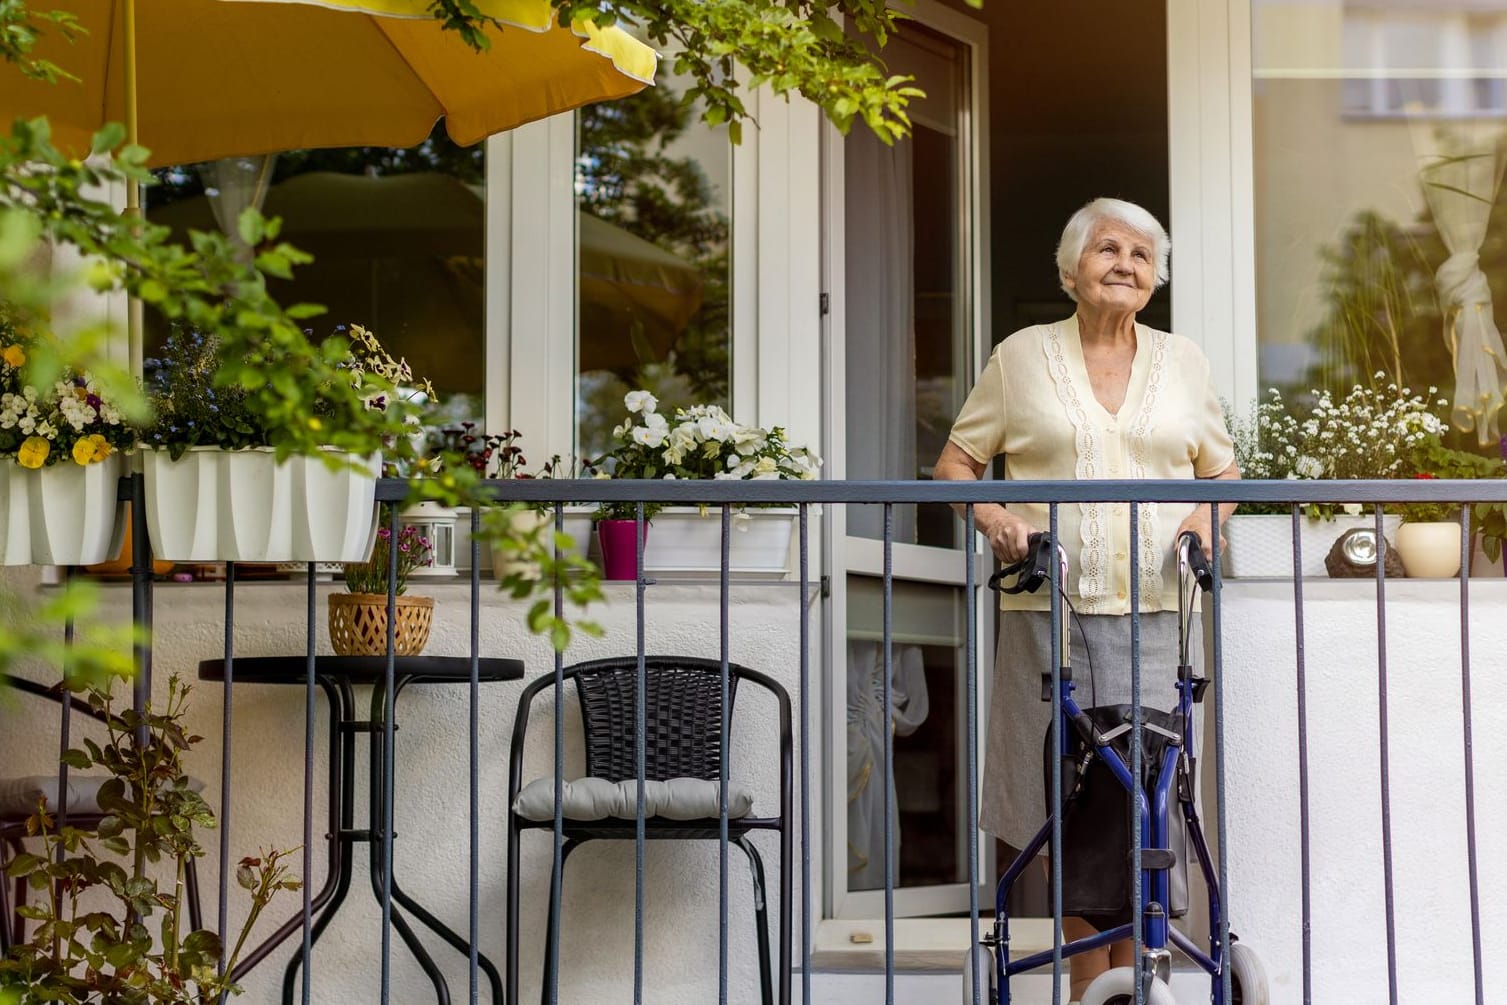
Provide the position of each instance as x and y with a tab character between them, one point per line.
682	769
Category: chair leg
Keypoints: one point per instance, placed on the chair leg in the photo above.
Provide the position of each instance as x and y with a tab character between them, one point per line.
761	916
551	947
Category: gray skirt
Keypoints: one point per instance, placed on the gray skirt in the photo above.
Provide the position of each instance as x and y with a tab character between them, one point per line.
1013	803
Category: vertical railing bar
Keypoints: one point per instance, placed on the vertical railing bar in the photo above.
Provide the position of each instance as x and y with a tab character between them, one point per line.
640	760
557	855
1137	761
310	697
1469	743
970	727
1384	739
226	717
889	756
473	955
1059	639
723	754
805	708
1304	821
141	599
65	727
388	739
1226	974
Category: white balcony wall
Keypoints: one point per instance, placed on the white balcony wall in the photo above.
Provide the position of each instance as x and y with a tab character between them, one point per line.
432	818
1431	881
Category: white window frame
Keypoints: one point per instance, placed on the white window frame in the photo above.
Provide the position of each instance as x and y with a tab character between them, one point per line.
1212	186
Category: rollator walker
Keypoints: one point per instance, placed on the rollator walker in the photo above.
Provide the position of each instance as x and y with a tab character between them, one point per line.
1094	745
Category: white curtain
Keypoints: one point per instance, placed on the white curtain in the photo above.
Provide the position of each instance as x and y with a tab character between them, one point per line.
1460	169
866	724
234	184
881	336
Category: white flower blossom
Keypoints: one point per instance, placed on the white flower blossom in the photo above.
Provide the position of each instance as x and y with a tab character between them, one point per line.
641	401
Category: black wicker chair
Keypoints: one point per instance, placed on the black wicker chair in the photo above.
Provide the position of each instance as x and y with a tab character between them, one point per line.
82	812
683	711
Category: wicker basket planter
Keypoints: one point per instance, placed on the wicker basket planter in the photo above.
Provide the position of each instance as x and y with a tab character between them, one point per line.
358	624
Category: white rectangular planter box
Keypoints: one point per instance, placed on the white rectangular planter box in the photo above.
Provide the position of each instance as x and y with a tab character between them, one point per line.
684	541
1260	547
64	514
214	505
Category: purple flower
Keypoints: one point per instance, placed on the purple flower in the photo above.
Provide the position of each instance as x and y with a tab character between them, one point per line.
383	533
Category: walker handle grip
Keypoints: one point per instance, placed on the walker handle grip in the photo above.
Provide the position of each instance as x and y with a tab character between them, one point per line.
1190	549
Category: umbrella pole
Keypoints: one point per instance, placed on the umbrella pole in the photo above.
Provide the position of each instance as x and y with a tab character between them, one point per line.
133	191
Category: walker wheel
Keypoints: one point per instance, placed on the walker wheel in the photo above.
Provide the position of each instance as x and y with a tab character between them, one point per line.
978	971
1247	976
1117	987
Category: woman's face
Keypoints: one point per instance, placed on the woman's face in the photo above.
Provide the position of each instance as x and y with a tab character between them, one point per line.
1116	271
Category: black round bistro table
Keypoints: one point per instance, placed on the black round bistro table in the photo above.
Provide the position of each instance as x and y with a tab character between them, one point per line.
338	677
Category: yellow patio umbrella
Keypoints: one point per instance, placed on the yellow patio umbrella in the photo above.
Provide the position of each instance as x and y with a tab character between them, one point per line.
198	80
215	78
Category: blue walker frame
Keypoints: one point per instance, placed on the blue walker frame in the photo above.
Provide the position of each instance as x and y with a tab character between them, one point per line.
1155	814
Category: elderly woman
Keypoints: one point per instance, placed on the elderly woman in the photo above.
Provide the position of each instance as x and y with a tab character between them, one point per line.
1093	396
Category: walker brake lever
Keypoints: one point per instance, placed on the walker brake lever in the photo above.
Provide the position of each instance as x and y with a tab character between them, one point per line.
1030	572
1191	546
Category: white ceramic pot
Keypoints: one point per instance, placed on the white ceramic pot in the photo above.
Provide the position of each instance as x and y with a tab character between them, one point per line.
1260	547
1430	550
214	505
687	542
65	514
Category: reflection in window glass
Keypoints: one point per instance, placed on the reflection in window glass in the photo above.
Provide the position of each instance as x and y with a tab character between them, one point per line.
397	237
929	799
653	194
1379	148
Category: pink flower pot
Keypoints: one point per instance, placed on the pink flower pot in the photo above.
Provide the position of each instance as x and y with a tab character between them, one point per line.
619	549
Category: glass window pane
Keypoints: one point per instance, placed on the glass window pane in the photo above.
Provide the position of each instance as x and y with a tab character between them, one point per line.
654	241
908	312
397	237
929	798
1357	213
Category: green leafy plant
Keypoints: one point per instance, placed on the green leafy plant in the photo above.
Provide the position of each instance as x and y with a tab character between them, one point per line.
701	442
1488	519
192	408
135	950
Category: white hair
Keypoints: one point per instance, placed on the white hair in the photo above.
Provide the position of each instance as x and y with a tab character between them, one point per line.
1080	227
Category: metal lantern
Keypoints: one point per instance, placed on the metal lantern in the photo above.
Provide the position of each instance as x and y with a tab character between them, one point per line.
437	523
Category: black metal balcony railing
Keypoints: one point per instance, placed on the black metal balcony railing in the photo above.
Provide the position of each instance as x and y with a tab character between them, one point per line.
797	983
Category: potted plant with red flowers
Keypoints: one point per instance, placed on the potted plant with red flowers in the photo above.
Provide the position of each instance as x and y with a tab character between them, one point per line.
358	618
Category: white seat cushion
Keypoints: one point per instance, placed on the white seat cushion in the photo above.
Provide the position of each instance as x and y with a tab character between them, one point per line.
599	799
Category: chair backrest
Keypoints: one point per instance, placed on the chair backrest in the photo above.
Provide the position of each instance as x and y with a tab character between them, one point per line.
682	713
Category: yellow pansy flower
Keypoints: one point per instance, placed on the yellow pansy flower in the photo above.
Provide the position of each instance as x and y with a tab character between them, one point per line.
14	355
33	452
91	449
